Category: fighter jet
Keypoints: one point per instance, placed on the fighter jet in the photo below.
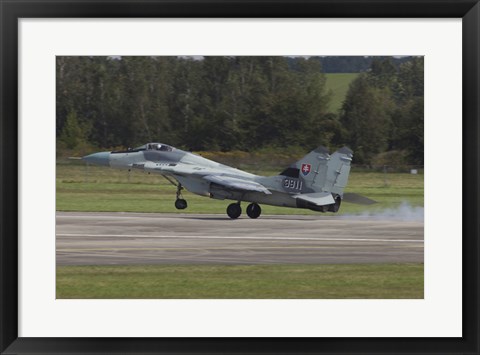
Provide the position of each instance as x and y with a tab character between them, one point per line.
315	182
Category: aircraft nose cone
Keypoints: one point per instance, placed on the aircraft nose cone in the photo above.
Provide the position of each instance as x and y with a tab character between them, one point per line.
102	158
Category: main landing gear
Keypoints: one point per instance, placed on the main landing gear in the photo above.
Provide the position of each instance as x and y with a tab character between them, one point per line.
253	210
234	210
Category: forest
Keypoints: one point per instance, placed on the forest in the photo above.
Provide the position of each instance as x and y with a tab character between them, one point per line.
241	103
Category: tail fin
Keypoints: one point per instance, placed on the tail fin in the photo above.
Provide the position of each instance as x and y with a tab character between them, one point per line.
322	172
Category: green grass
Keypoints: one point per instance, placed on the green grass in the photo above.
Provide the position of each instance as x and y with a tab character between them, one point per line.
338	83
105	189
359	281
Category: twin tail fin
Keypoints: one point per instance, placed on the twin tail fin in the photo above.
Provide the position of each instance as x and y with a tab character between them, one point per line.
321	172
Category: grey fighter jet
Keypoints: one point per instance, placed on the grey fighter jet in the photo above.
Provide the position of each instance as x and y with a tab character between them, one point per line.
315	182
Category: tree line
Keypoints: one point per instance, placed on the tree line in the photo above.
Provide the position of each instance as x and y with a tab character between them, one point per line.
239	103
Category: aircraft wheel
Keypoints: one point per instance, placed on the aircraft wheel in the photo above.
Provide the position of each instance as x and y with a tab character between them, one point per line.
336	206
234	210
253	210
180	204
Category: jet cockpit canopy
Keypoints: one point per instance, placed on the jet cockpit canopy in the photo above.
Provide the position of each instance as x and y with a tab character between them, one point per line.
156	146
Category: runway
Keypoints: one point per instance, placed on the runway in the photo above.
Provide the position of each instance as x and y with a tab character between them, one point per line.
153	238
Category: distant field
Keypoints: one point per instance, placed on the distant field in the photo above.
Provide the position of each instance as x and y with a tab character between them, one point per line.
362	281
339	83
93	188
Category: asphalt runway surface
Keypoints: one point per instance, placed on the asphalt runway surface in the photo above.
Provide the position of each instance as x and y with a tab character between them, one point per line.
141	238
153	238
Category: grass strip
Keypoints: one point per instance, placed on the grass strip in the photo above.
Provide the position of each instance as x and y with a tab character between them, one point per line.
343	281
104	189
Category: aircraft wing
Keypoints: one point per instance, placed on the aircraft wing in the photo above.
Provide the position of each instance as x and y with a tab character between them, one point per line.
237	184
169	168
317	198
227	182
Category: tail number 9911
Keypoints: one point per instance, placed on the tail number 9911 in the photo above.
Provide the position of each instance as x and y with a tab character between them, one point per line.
292	184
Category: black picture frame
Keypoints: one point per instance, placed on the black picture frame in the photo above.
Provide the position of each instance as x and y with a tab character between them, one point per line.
13	10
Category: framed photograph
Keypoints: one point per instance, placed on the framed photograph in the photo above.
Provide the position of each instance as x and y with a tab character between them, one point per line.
174	88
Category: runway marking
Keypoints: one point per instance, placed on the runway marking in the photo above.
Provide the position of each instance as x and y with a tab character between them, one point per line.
175	215
192	248
251	238
289	217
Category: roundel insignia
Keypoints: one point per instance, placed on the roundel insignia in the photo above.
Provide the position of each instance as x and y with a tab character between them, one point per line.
306	169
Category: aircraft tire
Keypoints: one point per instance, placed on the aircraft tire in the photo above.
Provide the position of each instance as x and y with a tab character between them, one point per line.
234	210
180	204
253	210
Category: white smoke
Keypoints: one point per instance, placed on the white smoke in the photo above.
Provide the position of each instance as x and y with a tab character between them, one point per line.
404	212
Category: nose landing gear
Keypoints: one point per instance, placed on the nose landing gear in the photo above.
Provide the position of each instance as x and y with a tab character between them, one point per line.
180	203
